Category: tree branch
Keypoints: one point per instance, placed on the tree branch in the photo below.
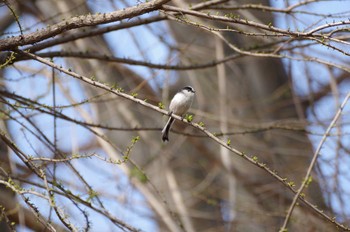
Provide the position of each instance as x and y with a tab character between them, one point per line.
313	162
80	21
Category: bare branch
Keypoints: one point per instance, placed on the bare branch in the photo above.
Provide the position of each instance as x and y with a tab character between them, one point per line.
313	162
80	21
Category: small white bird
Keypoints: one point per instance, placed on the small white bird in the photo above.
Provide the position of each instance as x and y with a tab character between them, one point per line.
179	105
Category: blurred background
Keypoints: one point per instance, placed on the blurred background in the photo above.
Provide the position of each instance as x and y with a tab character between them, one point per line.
100	160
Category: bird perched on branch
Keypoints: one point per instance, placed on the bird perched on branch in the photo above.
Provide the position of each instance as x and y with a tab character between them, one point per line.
179	105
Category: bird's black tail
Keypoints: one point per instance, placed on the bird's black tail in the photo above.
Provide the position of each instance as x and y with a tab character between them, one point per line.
166	129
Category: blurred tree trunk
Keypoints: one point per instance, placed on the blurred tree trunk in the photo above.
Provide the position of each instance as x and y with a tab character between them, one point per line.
257	91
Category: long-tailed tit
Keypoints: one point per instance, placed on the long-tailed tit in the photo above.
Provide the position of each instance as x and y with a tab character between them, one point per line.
179	105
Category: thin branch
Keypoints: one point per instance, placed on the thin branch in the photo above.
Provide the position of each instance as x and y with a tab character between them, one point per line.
14	15
313	162
288	10
90	55
311	34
